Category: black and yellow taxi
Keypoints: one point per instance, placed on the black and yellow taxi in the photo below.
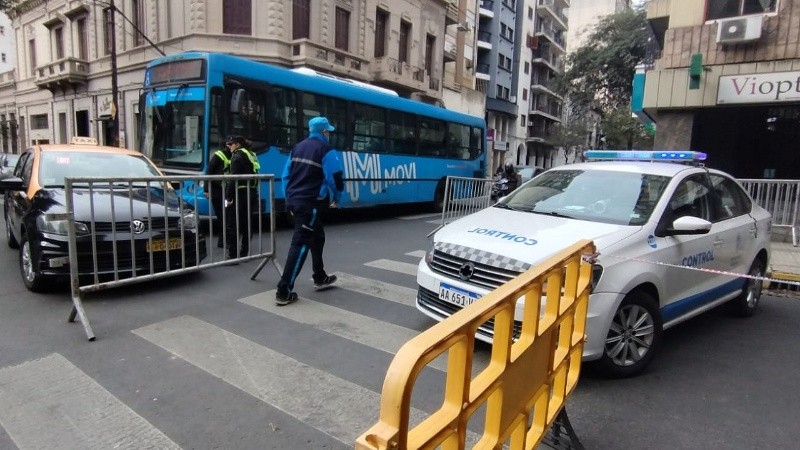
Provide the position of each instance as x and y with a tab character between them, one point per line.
129	226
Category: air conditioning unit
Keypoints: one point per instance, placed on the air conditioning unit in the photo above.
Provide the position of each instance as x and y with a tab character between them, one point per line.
736	30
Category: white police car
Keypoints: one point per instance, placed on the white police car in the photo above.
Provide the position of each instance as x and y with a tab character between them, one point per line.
650	221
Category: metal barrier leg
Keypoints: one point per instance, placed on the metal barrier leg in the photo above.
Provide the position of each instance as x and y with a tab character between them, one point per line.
562	435
264	263
77	310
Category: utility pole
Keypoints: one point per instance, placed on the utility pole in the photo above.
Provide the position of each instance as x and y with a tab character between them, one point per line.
114	87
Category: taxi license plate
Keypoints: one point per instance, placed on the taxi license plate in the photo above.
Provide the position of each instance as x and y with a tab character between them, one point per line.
456	295
160	245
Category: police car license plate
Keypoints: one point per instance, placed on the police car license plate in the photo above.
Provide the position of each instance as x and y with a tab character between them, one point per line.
456	295
160	245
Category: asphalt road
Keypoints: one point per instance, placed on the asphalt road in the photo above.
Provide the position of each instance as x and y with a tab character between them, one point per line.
207	361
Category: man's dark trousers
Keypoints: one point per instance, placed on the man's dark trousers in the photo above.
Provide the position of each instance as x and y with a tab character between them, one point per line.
239	217
309	236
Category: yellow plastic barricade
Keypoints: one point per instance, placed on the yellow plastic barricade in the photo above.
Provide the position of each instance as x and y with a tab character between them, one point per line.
527	380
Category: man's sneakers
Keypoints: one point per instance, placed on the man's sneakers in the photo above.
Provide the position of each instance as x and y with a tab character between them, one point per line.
285	299
325	283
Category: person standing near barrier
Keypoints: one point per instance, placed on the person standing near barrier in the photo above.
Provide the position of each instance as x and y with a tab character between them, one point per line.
218	164
240	196
313	181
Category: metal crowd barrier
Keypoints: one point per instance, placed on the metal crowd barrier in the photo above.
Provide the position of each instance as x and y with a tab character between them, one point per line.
108	254
781	198
533	368
464	196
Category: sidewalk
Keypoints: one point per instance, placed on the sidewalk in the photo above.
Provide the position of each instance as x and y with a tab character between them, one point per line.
785	259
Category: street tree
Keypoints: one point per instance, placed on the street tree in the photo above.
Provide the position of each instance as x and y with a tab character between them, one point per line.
5	5
599	75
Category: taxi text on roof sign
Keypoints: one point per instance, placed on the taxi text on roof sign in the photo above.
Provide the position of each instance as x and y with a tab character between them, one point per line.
644	155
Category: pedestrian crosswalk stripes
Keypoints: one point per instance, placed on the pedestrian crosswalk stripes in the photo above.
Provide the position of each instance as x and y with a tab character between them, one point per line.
368	286
355	327
394	266
335	406
50	403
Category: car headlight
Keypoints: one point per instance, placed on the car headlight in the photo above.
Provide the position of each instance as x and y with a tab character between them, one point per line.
60	226
429	252
189	221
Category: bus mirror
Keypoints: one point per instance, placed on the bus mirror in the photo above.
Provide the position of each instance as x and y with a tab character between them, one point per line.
238	98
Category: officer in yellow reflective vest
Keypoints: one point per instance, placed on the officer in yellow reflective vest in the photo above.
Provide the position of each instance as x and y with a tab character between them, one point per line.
241	198
218	164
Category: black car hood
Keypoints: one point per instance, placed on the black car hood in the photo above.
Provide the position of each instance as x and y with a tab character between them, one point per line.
119	203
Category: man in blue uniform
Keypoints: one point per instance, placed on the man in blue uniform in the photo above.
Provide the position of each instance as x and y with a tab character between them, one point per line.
313	181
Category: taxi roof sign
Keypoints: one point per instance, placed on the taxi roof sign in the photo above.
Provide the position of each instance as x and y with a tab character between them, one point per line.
645	155
83	140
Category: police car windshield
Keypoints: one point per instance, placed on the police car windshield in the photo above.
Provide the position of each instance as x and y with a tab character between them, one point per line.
622	198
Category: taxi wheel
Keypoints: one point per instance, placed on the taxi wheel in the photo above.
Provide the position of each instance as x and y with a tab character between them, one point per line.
634	337
10	239
746	303
28	267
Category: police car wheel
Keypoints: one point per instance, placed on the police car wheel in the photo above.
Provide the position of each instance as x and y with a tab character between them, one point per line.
634	337
746	303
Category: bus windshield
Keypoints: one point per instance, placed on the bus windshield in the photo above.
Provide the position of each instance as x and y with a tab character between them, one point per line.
173	127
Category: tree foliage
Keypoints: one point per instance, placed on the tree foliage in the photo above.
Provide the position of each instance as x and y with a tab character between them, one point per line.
5	5
599	74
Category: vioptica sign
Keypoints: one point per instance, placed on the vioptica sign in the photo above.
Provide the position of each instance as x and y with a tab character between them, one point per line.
759	88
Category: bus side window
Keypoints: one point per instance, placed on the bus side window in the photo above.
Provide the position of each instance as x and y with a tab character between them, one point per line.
458	145
369	128
476	143
283	118
432	137
335	109
403	133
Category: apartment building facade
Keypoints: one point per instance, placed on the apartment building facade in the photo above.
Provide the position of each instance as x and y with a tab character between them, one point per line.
728	83
62	84
521	44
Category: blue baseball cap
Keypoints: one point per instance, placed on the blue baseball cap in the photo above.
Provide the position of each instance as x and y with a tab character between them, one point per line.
319	124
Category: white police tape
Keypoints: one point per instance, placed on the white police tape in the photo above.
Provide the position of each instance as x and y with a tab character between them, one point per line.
701	269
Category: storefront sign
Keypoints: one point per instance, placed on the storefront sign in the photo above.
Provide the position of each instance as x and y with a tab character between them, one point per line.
759	88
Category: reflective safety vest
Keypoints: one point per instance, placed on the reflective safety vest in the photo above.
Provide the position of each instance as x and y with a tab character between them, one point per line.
256	166
226	162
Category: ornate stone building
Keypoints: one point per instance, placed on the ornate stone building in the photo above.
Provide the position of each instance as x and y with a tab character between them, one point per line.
62	84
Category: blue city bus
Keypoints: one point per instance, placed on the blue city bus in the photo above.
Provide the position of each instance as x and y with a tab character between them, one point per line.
394	150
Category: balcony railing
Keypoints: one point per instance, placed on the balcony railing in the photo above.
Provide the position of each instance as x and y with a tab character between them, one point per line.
553	110
393	71
62	73
543	55
550	7
485	36
553	35
314	55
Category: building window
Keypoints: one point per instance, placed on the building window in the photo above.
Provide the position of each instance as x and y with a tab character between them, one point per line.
137	17
342	29
530	13
507	32
106	32
301	19
32	54
83	38
430	45
718	9
39	122
381	22
527	67
237	17
522	119
2	30
3	57
58	42
524	94
405	37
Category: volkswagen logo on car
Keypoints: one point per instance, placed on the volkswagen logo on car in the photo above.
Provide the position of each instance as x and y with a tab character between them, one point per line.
137	226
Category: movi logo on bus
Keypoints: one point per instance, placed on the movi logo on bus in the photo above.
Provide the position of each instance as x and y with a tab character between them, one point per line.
368	169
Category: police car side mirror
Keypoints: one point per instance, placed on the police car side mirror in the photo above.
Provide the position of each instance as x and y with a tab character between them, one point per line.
688	225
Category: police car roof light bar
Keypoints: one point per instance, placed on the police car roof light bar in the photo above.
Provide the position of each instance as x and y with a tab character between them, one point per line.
645	155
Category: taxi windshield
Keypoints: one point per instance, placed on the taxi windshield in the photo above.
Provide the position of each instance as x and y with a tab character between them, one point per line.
622	198
55	166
